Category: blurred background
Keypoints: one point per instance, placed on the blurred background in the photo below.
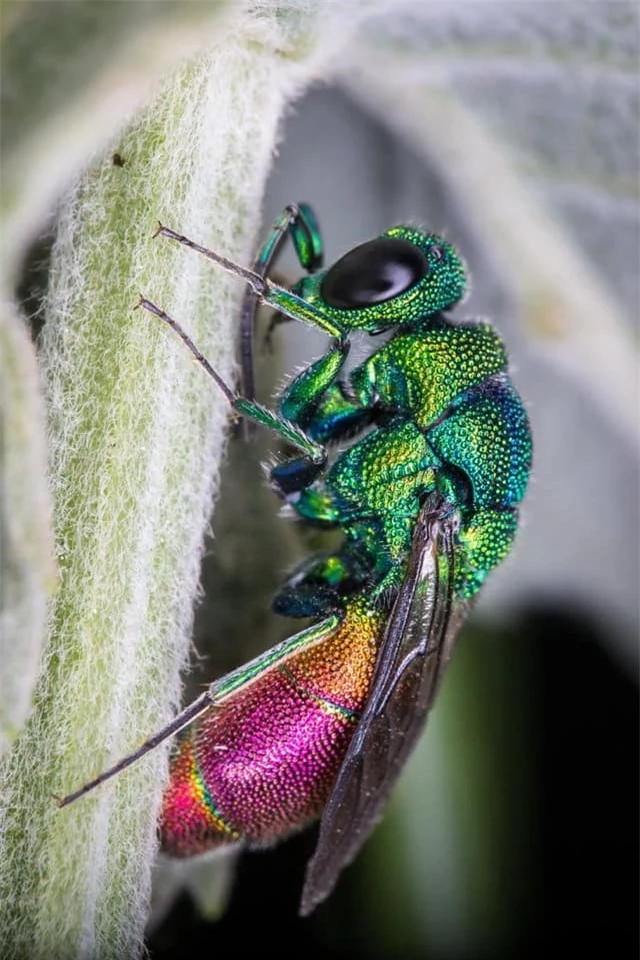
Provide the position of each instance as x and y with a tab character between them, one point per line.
515	826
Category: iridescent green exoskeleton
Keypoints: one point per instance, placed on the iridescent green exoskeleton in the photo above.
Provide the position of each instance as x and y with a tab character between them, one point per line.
420	456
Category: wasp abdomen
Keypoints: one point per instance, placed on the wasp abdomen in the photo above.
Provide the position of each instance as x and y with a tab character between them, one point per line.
262	764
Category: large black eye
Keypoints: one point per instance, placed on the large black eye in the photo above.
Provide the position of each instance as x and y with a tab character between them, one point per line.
372	273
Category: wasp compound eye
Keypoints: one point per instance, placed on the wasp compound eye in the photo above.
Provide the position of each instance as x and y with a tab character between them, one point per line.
372	273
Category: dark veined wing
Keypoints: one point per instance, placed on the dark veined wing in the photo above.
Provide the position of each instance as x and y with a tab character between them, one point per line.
416	647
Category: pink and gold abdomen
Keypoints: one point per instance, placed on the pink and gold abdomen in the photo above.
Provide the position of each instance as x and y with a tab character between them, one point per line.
263	764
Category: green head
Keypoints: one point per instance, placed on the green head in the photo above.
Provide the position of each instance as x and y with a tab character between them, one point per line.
399	278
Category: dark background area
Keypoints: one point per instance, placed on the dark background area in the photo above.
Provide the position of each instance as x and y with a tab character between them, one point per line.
583	897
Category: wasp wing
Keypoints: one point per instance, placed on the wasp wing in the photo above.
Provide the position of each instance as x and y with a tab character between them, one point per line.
416	647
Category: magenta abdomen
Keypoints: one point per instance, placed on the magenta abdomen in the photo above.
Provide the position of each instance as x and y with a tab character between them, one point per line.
263	764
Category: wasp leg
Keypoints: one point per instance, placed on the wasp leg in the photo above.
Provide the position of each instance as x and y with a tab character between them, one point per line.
298	406
286	301
312	589
216	694
301	399
321	404
298	222
339	416
316	403
290	432
323	584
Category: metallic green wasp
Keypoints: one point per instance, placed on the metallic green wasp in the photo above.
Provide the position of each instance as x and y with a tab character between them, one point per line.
432	459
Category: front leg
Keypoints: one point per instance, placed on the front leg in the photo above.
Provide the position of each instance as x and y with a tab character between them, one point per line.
317	403
315	454
301	399
298	222
298	406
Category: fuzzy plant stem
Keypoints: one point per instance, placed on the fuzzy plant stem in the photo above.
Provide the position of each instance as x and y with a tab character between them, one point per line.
136	434
27	571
